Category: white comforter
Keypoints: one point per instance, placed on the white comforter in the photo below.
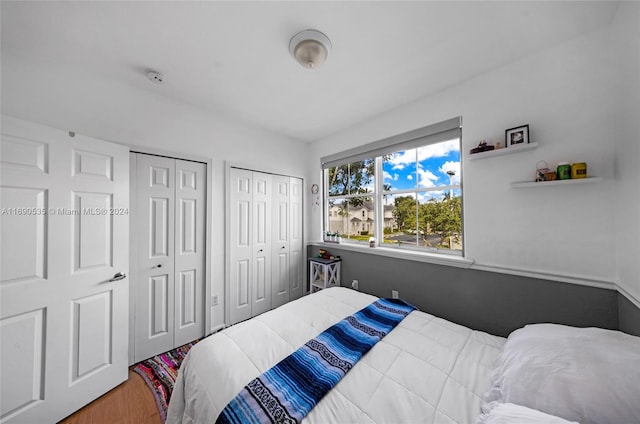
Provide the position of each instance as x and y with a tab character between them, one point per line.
427	370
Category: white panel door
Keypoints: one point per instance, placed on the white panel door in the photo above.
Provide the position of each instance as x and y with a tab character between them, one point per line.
155	275
189	251
250	243
296	258
280	280
64	294
261	243
240	244
170	253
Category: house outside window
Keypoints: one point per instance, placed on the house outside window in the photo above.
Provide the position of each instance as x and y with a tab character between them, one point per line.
405	191
350	188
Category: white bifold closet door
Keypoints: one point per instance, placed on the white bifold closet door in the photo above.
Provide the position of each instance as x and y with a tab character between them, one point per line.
250	241
287	240
65	255
265	259
169	233
296	264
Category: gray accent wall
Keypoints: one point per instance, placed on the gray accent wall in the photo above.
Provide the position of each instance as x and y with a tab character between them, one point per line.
628	316
492	302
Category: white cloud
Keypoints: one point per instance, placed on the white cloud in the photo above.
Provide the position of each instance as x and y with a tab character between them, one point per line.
388	177
426	178
401	159
409	177
438	150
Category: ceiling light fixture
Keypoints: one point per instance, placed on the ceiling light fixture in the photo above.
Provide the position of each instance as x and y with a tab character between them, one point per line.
310	48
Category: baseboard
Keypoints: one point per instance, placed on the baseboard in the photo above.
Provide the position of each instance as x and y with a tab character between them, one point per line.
216	329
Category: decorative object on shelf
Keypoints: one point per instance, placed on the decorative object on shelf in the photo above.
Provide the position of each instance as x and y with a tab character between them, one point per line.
332	237
543	173
564	171
516	136
566	174
501	152
578	170
482	147
323	253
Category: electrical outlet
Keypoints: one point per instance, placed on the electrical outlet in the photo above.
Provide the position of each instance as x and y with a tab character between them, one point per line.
394	294
214	300
354	284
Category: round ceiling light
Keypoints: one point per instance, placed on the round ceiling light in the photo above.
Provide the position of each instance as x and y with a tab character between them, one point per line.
310	48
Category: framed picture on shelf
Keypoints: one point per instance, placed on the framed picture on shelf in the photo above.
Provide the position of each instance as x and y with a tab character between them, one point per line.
516	136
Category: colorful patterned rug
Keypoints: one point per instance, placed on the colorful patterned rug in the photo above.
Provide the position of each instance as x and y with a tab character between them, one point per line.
160	373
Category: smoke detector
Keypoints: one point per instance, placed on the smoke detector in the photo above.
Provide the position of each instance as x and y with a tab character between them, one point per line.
155	76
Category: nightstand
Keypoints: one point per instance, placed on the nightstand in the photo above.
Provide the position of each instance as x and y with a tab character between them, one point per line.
324	273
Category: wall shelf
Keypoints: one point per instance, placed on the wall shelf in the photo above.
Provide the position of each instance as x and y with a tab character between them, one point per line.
503	151
528	184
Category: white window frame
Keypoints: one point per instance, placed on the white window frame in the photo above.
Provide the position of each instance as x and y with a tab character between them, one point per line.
432	134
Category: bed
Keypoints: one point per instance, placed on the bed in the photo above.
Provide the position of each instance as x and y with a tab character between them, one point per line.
427	370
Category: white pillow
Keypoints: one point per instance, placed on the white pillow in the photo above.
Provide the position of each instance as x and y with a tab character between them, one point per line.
509	413
589	375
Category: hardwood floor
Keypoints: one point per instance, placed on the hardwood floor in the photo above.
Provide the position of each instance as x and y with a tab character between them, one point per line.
130	402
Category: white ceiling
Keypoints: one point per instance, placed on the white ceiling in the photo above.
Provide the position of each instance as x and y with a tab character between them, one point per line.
232	58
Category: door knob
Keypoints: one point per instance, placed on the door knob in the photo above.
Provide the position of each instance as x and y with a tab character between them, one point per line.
117	277
159	266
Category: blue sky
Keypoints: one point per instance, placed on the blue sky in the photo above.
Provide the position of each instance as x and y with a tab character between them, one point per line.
424	167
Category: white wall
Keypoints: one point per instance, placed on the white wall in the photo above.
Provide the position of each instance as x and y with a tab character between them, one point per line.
94	105
564	94
626	45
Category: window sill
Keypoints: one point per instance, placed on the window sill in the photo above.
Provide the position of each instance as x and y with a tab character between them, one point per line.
432	258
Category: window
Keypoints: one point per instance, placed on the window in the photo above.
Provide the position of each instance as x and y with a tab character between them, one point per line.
404	191
350	188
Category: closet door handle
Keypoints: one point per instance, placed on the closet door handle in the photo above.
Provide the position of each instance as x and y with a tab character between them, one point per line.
158	266
117	277
282	247
260	250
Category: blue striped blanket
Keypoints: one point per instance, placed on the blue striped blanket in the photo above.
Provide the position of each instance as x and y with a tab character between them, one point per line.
291	388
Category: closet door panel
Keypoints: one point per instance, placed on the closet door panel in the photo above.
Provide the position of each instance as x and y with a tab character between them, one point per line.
240	244
261	243
189	269
280	244
265	259
154	229
296	258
